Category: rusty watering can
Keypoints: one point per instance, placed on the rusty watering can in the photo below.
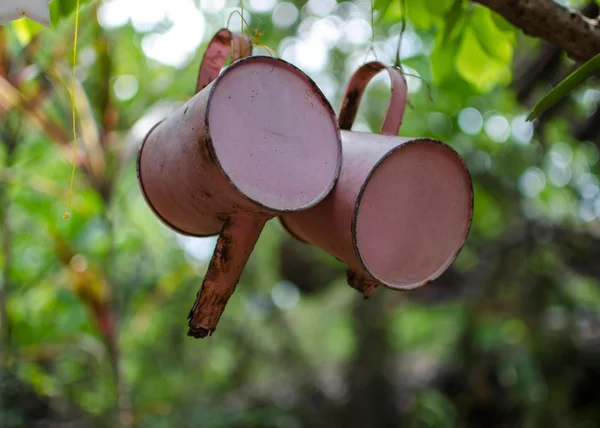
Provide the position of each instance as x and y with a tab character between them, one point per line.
257	140
402	207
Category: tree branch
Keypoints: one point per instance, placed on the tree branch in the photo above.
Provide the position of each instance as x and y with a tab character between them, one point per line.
566	28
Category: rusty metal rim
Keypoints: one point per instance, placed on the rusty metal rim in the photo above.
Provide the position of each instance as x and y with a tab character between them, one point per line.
354	220
327	106
154	210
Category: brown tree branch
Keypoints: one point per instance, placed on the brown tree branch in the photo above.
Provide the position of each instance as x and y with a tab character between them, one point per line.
566	28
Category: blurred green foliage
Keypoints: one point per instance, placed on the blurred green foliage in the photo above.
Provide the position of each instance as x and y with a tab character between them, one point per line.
94	308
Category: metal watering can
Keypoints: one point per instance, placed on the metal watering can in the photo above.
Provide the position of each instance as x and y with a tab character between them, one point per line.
402	207
256	141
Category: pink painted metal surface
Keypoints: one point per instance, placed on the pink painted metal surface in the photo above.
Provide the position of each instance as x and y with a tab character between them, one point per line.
259	140
402	207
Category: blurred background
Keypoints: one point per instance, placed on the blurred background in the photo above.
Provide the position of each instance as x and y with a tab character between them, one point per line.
93	309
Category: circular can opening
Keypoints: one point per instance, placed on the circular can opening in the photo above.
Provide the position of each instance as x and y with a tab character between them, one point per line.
273	134
413	214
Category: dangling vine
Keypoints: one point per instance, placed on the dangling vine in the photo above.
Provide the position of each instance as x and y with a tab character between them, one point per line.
73	112
252	35
397	62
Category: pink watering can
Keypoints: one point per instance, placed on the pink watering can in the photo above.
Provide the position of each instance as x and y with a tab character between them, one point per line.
256	141
402	207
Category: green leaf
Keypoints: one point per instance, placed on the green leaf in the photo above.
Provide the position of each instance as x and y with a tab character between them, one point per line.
418	14
439	7
447	42
442	58
477	67
566	86
25	30
452	20
383	5
390	10
61	9
493	40
503	24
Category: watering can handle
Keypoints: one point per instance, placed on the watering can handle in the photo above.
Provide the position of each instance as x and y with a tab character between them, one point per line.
216	53
356	88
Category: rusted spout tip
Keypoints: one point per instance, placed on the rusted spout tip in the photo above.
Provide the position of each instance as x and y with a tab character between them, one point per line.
236	241
199	333
366	286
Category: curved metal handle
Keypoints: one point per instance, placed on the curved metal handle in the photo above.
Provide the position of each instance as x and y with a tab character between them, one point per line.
216	53
356	88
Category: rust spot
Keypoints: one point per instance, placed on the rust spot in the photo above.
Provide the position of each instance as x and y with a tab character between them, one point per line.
199	332
349	108
223	250
222	37
366	286
372	66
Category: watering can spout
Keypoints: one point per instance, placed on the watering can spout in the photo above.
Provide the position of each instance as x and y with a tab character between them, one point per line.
234	245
